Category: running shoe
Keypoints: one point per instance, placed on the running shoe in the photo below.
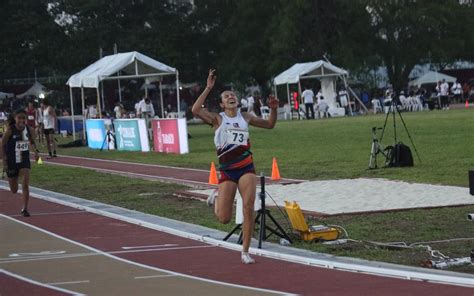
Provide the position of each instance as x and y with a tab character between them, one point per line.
246	259
25	213
212	198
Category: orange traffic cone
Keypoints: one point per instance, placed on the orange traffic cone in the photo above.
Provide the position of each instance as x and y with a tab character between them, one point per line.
467	104
275	170
213	180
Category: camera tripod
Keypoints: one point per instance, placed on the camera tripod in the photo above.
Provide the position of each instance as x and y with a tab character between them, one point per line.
261	221
109	136
376	143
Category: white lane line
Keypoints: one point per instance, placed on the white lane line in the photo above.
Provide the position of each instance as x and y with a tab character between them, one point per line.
161	249
152	165
52	213
131	174
77	255
28	280
43	253
143	265
154	276
69	283
150	246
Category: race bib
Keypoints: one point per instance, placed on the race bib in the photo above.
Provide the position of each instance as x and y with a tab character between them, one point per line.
21	146
31	117
237	136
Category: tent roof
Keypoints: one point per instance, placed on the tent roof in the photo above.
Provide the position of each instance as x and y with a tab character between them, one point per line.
431	77
35	90
308	70
124	62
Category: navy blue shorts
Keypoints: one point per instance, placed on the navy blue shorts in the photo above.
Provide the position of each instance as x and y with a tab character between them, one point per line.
235	174
13	171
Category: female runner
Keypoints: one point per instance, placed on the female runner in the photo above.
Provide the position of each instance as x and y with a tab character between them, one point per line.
16	144
235	159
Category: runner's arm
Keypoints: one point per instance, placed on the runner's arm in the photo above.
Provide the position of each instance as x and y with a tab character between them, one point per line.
3	147
208	117
265	123
32	142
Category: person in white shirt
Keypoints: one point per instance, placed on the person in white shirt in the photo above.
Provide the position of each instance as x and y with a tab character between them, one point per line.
118	110
456	90
343	99
244	105
92	111
250	104
403	100
137	109
322	107
443	90
308	99
319	95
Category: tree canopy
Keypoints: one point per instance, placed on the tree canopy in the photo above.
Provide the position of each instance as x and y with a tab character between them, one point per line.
246	40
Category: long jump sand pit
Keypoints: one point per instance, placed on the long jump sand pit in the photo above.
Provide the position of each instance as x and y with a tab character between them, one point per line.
364	195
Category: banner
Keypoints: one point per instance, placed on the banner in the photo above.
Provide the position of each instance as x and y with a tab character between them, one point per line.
131	135
170	135
95	129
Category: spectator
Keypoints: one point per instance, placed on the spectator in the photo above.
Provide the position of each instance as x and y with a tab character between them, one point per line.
322	107
92	111
443	90
343	99
250	104
456	90
31	116
308	99
119	110
244	105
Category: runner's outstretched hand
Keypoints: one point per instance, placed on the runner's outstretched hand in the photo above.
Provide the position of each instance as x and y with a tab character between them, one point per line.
273	102
211	78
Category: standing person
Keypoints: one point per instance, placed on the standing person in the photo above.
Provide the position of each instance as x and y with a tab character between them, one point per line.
40	122
17	142
251	104
308	98
444	92
244	105
236	162
31	116
456	90
343	99
118	110
49	121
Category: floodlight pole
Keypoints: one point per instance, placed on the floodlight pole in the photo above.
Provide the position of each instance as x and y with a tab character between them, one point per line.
161	100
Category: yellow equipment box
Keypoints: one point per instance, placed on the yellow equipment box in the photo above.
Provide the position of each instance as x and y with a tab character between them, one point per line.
313	233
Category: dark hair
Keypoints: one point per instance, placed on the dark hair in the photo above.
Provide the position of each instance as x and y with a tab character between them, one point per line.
11	118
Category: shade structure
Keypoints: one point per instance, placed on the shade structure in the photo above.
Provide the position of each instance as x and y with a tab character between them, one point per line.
128	65
326	72
431	77
316	69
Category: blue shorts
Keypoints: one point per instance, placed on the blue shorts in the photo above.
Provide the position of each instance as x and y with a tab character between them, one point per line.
235	174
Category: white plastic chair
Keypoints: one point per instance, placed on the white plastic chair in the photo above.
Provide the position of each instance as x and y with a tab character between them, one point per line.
376	106
265	111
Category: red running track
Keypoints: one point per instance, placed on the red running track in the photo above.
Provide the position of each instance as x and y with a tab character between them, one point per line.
211	262
187	176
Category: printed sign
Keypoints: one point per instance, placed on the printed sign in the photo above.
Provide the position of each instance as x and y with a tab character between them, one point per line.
170	135
127	135
95	129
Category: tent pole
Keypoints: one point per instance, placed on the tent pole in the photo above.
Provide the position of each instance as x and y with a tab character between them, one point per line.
348	97
161	101
300	99
72	115
289	102
102	93
146	90
83	114
177	93
99	108
119	90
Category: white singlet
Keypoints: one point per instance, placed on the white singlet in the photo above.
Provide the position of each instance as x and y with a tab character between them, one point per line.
48	119
233	132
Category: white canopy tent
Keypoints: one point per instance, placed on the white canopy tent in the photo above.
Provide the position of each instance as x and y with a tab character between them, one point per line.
4	95
127	65
431	77
35	90
326	72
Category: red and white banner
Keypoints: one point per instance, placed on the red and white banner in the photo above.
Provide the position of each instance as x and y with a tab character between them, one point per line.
170	135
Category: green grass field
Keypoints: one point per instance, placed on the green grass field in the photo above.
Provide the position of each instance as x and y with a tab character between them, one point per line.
319	149
338	148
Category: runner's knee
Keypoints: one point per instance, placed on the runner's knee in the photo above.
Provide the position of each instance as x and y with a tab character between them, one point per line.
224	218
